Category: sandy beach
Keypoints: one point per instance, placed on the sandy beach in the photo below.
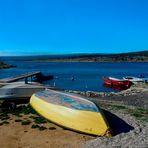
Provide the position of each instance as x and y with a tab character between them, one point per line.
18	136
125	111
15	133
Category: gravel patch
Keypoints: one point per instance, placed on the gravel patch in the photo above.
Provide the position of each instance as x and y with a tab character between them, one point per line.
134	96
134	137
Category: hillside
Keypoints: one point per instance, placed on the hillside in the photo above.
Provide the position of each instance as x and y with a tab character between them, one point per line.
4	65
122	57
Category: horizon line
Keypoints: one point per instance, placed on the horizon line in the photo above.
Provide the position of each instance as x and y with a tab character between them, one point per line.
58	54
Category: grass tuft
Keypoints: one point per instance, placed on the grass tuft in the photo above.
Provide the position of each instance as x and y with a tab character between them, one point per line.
40	120
27	122
18	120
52	128
41	128
35	126
5	122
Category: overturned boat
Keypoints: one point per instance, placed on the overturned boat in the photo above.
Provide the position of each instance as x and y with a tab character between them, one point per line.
19	90
71	111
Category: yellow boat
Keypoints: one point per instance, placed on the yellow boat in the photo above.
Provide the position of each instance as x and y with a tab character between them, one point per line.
71	111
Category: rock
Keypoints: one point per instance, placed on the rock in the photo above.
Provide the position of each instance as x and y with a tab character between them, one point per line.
88	93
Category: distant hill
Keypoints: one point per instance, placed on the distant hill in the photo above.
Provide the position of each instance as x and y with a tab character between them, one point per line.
141	56
4	65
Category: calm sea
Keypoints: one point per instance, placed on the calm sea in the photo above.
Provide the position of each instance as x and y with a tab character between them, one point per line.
87	76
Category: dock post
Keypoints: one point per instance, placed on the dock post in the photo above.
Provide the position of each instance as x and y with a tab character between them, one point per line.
26	80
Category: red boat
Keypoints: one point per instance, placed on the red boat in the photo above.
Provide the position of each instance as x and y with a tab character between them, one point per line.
117	82
115	87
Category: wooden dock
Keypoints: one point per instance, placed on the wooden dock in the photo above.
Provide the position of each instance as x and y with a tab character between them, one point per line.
21	76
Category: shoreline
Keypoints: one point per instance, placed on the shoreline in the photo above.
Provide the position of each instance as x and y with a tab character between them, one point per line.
133	96
70	61
141	56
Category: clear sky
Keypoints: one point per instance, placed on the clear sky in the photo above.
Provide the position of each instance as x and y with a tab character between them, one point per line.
73	26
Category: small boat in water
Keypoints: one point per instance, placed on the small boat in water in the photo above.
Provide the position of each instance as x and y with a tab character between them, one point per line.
117	82
71	111
133	79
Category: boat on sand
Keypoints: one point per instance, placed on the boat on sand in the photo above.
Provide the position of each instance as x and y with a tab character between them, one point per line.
115	87
133	79
117	82
71	111
19	90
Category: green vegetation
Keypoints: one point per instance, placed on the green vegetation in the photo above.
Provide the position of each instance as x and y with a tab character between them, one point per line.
52	128
41	128
18	120
138	113
111	106
1	85
122	57
40	120
19	111
35	126
27	122
29	113
5	122
27	109
5	118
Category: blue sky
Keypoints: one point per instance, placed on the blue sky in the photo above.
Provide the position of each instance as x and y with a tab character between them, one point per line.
73	26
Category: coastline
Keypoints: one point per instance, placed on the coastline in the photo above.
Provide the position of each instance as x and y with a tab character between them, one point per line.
63	60
120	57
134	96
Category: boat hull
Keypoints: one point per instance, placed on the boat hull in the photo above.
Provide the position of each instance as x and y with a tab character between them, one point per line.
133	79
116	82
115	87
19	90
89	122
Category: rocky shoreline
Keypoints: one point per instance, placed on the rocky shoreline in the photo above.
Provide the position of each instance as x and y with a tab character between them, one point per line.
136	96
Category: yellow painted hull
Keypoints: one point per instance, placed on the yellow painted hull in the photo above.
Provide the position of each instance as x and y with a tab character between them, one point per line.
83	121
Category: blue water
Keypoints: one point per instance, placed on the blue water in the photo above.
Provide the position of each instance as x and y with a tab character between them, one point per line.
87	76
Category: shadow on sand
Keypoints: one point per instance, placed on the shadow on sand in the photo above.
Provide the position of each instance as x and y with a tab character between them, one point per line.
117	124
